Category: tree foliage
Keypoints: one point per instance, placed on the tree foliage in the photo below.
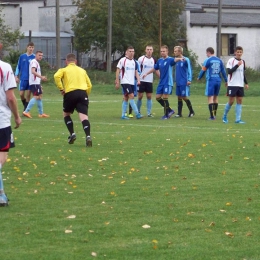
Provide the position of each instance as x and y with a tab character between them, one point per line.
135	23
8	37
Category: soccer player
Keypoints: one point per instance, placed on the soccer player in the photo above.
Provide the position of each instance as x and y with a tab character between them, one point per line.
127	70
22	70
164	88
146	85
214	68
236	83
8	106
75	86
136	87
183	78
35	78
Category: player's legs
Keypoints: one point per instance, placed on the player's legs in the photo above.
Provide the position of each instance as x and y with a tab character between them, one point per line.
139	100
239	99
24	88
211	107
149	104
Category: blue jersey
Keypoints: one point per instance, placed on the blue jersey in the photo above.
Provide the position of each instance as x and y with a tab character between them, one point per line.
183	72
214	68
22	67
165	68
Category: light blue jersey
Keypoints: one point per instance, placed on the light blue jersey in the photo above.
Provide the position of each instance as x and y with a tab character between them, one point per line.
183	72
22	67
165	68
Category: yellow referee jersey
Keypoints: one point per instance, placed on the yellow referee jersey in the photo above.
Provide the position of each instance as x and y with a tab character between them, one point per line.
72	78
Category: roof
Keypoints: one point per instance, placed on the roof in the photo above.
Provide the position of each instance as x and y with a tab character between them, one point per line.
227	3
47	34
228	19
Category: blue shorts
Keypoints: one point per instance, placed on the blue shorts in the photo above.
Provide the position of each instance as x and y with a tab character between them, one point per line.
164	89
6	139
24	85
36	90
212	88
128	89
183	91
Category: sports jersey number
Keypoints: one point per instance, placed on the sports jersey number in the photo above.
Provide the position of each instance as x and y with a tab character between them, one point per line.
215	68
229	92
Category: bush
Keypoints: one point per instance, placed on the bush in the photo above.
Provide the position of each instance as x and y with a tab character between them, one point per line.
12	58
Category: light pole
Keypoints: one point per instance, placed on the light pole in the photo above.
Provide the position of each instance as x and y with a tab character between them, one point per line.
57	34
219	40
109	36
160	25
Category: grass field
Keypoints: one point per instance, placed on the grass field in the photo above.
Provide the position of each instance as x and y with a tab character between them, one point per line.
184	188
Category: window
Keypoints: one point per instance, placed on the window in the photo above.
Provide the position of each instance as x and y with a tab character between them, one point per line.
228	44
21	17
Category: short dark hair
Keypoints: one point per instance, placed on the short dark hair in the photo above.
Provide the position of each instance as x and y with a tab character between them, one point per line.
39	52
71	57
210	50
130	47
30	44
239	48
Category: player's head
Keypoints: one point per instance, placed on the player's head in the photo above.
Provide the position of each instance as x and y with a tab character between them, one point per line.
39	55
238	52
149	50
130	52
164	51
71	58
178	51
30	48
209	51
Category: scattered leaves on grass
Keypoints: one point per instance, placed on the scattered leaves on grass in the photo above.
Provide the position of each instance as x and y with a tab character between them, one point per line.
72	216
228	204
212	224
248	218
145	226
229	234
67	231
191	155
222	210
155	243
248	234
94	254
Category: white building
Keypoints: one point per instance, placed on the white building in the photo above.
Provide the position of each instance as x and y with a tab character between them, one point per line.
240	26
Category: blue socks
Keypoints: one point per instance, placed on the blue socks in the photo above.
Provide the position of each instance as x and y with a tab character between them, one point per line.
133	105
1	181
30	105
238	112
149	106
226	110
124	107
139	104
40	106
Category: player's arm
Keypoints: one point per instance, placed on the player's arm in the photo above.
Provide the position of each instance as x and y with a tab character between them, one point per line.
89	85
58	80
233	69
203	70
12	103
117	78
189	78
223	72
149	72
36	74
17	71
137	77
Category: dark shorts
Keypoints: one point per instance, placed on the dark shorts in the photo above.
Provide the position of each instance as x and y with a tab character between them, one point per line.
77	99
6	139
146	87
24	85
128	89
36	90
235	91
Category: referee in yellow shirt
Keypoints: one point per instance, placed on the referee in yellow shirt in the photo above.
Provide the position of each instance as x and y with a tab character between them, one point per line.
75	86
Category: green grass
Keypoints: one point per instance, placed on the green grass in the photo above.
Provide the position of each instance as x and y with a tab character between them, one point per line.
190	179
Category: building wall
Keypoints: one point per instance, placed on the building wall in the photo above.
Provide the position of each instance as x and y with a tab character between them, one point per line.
47	18
11	16
199	38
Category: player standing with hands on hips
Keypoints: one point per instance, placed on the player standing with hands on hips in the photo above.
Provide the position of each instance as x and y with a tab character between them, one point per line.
236	83
8	106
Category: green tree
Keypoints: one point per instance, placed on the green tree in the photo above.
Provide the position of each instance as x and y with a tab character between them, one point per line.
8	37
135	23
